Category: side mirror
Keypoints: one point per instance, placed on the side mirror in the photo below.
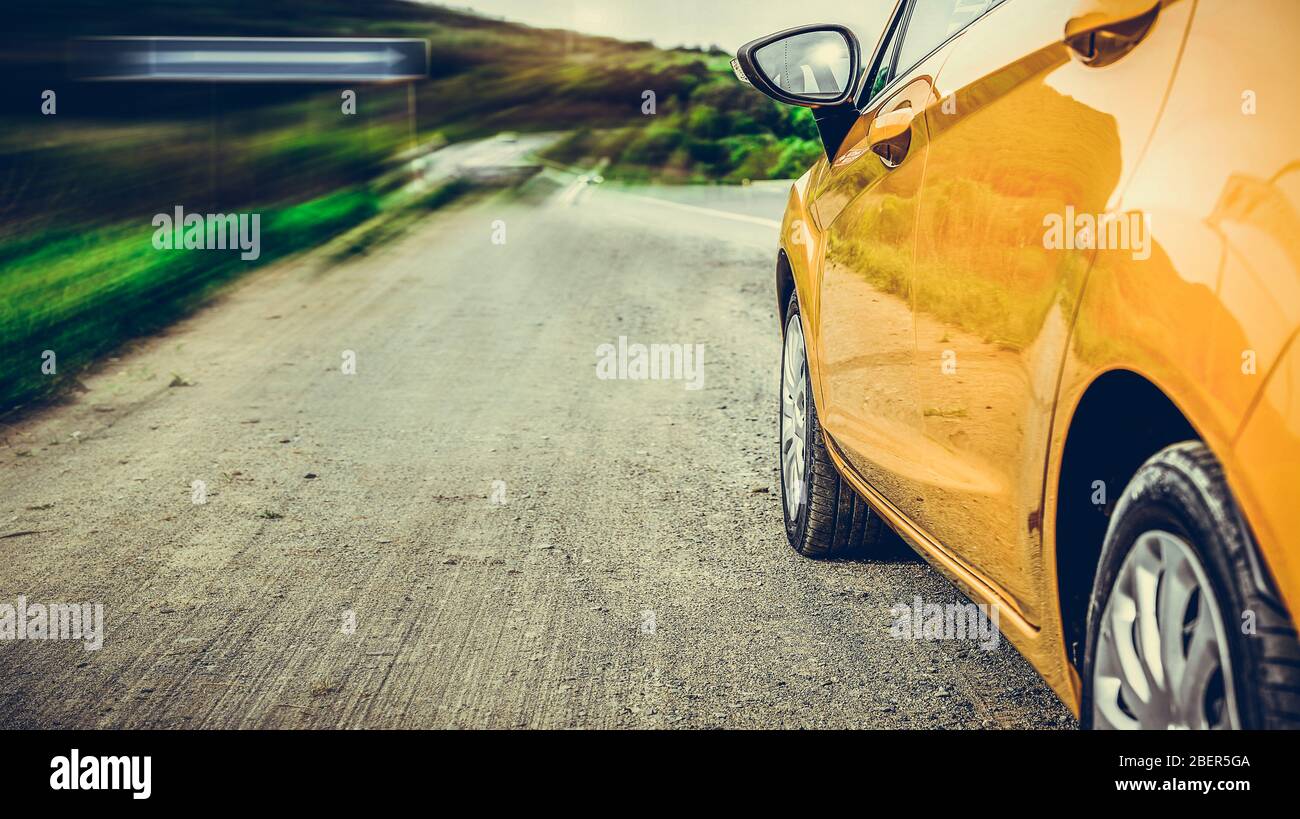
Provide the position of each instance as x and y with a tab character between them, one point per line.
812	66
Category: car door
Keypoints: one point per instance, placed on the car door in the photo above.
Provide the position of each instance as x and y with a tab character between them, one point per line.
1032	138
867	205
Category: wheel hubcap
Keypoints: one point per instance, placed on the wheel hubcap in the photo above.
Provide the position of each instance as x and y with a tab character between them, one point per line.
1162	653
794	417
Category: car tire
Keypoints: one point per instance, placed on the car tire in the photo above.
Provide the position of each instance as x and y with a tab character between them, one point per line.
1179	589
824	516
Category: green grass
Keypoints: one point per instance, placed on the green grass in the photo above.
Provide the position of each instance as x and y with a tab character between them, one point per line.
697	142
80	295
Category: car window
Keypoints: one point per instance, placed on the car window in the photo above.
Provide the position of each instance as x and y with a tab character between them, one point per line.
933	21
883	65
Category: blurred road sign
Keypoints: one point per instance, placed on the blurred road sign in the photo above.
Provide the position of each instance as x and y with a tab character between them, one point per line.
250	59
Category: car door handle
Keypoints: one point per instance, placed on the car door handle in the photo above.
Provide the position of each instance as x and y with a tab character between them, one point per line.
890	135
1099	32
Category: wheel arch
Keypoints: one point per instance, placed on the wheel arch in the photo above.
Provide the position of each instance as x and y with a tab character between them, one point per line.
1121	419
784	286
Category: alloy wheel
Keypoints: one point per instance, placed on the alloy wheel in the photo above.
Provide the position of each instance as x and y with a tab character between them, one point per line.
794	418
1162	653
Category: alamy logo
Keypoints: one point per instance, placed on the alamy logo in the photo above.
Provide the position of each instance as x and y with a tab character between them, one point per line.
53	621
951	621
75	772
653	362
1099	231
213	231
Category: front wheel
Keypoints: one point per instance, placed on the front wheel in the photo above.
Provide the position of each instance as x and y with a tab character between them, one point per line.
1183	630
824	517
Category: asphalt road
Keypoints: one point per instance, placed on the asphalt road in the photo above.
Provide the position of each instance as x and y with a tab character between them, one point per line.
635	575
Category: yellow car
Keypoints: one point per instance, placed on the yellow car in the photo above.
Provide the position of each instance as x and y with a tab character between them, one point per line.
1039	306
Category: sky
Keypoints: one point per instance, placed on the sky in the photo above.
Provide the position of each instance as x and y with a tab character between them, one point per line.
668	23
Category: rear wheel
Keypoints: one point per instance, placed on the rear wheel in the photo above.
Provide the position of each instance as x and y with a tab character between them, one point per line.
1183	628
824	517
